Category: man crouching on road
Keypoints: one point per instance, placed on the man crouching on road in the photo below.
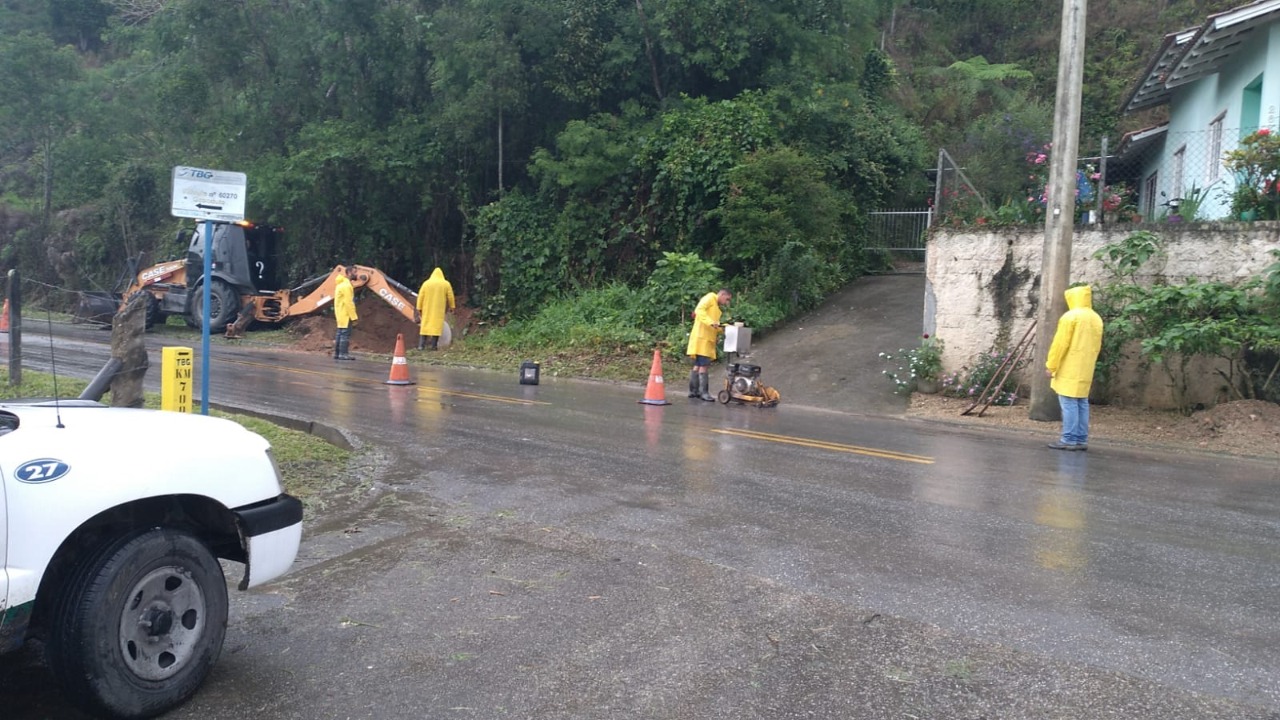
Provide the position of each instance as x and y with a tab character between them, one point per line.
702	341
1072	357
344	311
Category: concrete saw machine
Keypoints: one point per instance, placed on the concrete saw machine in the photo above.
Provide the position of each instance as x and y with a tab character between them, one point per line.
742	380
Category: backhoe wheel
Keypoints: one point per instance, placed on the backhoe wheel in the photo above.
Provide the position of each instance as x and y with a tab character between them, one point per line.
723	397
153	315
139	624
223	305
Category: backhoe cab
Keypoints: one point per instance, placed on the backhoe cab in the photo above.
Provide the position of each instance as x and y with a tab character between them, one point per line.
244	262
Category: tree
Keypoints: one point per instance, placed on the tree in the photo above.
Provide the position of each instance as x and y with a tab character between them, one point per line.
36	86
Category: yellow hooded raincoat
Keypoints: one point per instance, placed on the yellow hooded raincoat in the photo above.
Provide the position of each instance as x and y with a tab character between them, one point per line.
702	339
1076	344
344	302
434	297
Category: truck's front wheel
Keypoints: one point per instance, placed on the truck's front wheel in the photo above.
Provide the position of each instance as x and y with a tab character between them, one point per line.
139	624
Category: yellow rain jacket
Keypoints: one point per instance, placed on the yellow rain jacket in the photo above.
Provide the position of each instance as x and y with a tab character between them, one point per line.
344	302
1076	344
434	297
702	339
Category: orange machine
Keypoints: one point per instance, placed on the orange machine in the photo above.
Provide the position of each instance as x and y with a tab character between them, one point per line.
242	284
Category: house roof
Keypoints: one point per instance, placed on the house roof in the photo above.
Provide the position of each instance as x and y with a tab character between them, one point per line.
1200	51
1134	145
1152	91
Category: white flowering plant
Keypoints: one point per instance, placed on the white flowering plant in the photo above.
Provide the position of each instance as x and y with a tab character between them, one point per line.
918	363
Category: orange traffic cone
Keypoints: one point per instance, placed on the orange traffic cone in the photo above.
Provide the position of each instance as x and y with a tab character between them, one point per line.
4	317
399	366
656	391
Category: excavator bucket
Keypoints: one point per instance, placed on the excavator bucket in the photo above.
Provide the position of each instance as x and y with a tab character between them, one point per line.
96	307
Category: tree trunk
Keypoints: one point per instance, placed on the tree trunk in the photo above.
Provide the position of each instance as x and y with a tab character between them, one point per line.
128	343
648	51
47	210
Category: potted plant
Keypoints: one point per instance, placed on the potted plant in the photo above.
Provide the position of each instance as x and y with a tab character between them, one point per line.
1256	165
1245	202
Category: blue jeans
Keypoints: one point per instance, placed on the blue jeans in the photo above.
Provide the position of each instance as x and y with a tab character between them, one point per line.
1075	420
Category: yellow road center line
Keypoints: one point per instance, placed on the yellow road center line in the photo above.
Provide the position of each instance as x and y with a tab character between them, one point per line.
442	391
823	445
482	396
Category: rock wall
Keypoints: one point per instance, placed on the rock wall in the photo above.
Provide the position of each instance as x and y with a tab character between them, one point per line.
983	286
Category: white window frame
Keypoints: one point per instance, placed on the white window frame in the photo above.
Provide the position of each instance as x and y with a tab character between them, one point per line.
1179	172
1149	189
1214	169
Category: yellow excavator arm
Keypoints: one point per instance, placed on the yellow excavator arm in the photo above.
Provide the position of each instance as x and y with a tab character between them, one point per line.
319	292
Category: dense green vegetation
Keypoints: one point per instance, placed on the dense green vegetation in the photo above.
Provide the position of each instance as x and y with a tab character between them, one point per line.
535	149
1170	324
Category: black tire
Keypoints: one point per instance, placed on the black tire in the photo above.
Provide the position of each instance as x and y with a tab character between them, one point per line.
723	397
223	304
139	625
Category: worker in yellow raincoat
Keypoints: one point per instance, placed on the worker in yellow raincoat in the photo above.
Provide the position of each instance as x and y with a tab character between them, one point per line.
1072	357
434	297
702	340
344	312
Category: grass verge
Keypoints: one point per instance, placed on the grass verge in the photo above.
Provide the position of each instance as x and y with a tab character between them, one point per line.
553	361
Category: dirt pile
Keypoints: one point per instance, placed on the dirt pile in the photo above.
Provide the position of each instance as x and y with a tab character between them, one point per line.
1252	418
375	332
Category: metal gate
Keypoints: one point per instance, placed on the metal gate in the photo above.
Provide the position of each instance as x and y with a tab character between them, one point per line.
900	234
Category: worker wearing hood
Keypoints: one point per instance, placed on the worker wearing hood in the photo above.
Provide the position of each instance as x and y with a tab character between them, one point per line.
434	297
344	312
1072	357
702	341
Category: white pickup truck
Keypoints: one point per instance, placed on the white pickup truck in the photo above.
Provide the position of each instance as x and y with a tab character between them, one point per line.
111	525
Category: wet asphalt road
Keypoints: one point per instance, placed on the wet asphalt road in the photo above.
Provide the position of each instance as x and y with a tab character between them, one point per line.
561	551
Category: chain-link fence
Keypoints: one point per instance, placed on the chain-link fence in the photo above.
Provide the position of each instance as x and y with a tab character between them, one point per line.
1150	175
1211	174
955	196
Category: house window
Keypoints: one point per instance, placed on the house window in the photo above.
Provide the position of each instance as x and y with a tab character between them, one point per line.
1251	107
1179	167
1149	195
1215	149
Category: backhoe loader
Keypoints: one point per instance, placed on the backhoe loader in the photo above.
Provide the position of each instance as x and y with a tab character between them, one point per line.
243	284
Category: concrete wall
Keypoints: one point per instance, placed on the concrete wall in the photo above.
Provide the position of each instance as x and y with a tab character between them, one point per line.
983	286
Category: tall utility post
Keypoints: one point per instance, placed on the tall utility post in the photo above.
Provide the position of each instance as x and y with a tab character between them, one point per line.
1059	217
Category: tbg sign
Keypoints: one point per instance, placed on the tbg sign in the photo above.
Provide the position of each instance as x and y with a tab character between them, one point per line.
208	194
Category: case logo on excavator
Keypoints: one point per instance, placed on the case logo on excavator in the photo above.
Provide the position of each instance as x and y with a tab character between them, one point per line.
391	299
157	272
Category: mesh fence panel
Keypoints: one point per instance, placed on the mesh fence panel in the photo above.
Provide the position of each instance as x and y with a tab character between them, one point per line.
1187	174
1153	175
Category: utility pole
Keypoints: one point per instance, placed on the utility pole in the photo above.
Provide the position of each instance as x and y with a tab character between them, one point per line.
1059	217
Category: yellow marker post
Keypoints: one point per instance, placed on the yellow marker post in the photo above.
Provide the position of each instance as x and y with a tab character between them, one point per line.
176	368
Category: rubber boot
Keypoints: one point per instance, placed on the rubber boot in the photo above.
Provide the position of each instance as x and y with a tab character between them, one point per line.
422	342
346	350
435	342
702	388
693	383
337	348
